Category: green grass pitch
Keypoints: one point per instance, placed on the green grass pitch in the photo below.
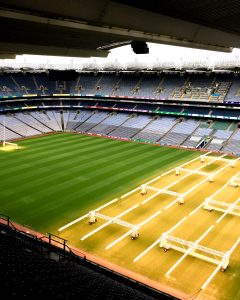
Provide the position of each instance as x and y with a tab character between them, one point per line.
56	178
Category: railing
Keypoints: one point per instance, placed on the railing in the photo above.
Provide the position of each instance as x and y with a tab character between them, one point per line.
58	245
49	241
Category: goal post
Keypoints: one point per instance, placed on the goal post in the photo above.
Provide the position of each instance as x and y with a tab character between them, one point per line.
4	142
14	145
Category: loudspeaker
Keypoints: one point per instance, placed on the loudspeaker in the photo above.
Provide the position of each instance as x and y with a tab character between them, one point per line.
139	47
57	75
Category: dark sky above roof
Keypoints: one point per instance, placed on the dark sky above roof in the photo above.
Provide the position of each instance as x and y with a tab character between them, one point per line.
224	14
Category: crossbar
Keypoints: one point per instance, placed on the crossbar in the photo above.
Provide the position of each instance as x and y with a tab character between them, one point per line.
8	143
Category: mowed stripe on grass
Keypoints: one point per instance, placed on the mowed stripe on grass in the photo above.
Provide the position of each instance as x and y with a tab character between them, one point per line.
56	178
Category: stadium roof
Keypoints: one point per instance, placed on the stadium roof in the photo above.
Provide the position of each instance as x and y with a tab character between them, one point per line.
85	28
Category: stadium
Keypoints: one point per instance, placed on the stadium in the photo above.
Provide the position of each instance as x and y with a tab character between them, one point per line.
119	180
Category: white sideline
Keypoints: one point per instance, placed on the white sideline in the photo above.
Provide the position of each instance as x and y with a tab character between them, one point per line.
146	250
129	193
171	204
176	225
210	277
196	209
234	246
107	204
149	219
118	239
73	222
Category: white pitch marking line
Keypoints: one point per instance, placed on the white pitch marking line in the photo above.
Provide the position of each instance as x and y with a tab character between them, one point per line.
188	251
218	191
193	172
210	277
95	230
176	225
146	250
109	222
164	174
149	219
196	209
205	234
107	204
234	246
171	204
220	219
73	222
132	191
118	240
218	267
